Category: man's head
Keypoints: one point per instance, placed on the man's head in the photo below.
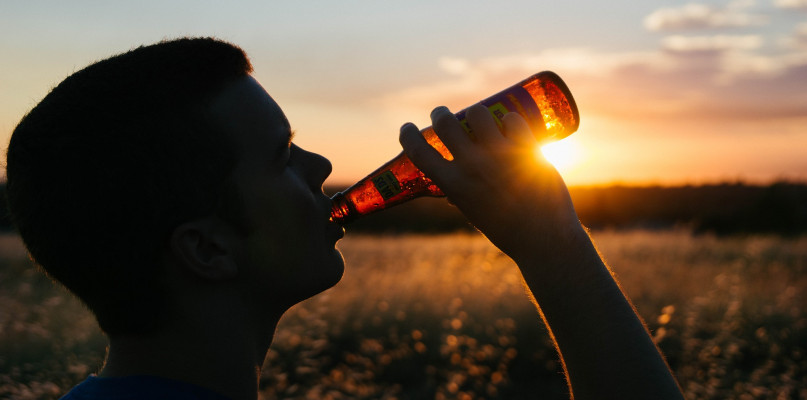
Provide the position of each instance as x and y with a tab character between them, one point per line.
284	249
112	160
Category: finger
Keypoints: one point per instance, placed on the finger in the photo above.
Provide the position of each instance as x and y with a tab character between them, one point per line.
419	151
518	130
482	123
450	131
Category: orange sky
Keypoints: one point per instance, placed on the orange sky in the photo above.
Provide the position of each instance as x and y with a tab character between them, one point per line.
702	92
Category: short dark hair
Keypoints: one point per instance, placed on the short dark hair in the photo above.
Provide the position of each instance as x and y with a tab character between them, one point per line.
112	160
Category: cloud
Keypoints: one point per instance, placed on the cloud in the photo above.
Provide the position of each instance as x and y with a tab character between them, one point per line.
795	41
799	37
469	81
791	4
454	65
711	43
701	16
688	77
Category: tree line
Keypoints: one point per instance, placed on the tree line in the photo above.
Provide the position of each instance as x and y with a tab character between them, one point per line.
723	209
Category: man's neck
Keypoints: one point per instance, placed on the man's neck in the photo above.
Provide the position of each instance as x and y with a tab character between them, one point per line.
225	357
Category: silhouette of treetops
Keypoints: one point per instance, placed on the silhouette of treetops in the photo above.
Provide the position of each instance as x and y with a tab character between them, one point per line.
728	208
723	209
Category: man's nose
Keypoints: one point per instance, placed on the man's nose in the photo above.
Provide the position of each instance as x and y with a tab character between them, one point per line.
317	168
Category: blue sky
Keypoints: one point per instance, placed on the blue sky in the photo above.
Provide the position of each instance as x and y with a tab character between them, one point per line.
668	91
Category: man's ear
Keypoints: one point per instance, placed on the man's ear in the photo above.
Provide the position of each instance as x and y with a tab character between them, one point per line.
204	248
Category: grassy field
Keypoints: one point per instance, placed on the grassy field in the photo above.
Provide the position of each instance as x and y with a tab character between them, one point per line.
446	317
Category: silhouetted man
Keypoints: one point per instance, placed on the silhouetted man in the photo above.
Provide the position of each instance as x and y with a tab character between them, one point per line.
162	187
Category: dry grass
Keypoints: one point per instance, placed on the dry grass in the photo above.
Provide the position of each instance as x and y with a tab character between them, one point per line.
446	317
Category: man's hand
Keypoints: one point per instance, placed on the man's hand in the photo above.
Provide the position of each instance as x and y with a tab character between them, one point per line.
496	179
522	205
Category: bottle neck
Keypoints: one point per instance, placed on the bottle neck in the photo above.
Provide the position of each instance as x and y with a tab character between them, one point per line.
341	211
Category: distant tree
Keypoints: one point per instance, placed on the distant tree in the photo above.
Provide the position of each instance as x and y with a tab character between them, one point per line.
5	217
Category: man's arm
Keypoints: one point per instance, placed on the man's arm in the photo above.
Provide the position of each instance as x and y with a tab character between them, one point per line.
522	205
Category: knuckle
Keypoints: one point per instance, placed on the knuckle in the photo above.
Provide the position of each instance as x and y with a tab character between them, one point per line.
418	154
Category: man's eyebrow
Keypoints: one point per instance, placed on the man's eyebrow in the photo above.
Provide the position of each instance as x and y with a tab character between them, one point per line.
292	132
284	145
287	125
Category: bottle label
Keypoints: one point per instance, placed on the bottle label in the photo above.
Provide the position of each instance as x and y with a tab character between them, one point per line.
515	99
387	185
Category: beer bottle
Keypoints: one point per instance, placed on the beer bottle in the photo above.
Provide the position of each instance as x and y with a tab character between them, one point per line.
541	99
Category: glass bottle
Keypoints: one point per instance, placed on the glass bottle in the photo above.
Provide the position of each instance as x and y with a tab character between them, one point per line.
541	99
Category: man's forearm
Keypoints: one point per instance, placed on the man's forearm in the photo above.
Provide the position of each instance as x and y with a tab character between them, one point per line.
606	350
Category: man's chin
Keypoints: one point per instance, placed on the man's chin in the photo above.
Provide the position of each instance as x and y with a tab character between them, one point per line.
330	280
323	281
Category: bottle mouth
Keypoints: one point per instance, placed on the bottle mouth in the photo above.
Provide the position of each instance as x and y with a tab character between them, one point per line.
340	211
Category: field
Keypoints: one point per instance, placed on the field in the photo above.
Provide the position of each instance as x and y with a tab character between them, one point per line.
446	317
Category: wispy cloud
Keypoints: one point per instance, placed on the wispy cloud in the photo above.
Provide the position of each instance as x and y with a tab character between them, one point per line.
700	16
711	43
798	39
793	4
687	77
706	76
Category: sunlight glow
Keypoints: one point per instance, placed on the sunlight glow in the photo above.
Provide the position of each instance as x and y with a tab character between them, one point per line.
563	154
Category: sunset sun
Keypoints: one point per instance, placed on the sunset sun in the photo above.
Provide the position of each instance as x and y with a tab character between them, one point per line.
562	154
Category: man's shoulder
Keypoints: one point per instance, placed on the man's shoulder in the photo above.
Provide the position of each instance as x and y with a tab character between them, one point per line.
138	387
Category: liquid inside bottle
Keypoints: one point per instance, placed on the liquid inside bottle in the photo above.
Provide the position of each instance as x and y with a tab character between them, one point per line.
543	100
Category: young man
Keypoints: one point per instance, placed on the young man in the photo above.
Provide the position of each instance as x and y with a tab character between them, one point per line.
162	187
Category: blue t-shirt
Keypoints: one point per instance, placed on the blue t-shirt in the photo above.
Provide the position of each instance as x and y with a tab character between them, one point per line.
139	387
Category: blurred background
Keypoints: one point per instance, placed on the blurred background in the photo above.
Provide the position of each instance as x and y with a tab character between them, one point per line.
689	166
669	92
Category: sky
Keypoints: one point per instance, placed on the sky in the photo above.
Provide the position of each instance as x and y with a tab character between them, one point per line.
669	92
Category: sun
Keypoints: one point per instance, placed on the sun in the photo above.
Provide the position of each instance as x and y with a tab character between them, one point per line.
563	154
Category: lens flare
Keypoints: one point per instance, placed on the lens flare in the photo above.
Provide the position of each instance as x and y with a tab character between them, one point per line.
563	154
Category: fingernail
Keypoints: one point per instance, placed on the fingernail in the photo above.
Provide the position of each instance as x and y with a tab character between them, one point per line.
440	110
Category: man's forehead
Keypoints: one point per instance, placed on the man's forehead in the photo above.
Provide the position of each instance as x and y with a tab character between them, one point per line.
244	101
285	121
251	118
